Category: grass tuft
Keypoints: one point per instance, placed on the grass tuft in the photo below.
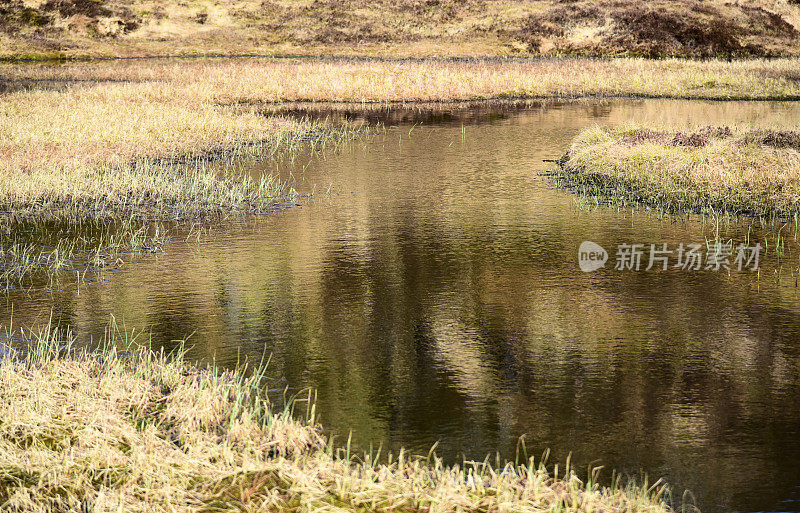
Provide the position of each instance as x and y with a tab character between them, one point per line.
713	169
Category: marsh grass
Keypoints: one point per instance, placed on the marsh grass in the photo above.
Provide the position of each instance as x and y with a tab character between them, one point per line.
130	156
37	254
264	80
126	428
711	170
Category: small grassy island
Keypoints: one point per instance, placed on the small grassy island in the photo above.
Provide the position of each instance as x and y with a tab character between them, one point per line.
725	169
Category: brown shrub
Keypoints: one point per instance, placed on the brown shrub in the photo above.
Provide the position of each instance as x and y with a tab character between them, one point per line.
575	14
696	139
652	32
763	22
555	22
367	32
698	29
644	136
775	138
66	8
14	15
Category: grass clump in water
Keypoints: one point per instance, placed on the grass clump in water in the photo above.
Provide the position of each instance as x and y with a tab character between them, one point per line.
36	254
721	169
145	431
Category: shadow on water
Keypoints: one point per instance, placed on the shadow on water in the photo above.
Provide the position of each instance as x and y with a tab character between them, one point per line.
430	291
426	113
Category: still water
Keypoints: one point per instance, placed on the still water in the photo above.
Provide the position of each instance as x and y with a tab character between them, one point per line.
430	292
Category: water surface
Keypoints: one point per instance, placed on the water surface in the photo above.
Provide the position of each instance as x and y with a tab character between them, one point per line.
430	292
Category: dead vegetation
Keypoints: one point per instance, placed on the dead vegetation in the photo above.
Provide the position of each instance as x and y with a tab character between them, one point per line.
127	429
712	169
658	28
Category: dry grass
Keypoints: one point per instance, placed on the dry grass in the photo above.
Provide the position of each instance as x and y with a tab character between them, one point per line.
126	154
719	169
110	148
406	27
208	82
72	149
138	431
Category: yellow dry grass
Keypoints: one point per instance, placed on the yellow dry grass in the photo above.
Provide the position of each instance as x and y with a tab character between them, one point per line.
140	431
222	81
720	169
107	147
68	145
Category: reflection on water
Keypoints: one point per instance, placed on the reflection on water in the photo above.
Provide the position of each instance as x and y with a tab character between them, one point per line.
435	295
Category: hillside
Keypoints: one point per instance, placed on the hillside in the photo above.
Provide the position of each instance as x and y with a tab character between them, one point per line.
690	28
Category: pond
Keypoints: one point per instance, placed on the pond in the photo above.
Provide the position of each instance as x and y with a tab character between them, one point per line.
430	291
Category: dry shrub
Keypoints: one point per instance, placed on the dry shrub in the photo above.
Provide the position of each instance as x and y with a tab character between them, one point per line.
695	139
775	138
657	28
556	22
15	15
696	29
643	136
761	22
94	15
66	8
654	32
662	28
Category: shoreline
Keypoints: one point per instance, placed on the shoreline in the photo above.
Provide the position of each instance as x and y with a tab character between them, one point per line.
137	146
168	435
357	57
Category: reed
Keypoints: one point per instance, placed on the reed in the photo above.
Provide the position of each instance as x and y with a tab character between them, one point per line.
36	254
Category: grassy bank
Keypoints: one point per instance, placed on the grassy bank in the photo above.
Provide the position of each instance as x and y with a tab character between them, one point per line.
712	28
72	148
724	169
196	83
140	431
114	149
130	154
118	142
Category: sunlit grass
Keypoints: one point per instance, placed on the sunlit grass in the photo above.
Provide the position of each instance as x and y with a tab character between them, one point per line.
715	169
130	155
124	428
226	81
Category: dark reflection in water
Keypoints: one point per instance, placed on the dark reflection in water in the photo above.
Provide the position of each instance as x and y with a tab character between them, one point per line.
435	295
